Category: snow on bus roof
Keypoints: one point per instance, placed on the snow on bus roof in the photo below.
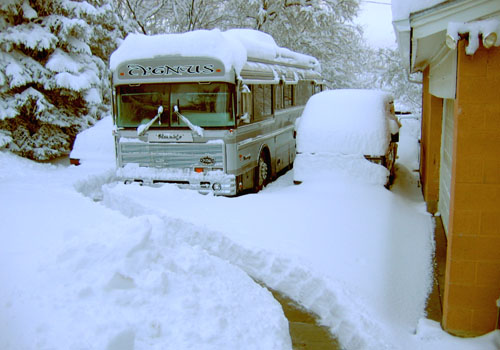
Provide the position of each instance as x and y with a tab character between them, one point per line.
232	48
261	45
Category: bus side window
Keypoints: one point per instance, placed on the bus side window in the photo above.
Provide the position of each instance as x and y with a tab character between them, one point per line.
289	95
262	101
278	96
257	101
267	106
305	90
246	106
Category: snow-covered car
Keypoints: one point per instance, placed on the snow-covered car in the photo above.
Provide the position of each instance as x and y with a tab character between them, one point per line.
347	126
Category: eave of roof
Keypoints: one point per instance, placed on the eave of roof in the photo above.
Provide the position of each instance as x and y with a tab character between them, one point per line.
422	36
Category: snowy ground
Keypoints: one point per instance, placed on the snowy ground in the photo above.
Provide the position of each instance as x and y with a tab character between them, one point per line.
86	263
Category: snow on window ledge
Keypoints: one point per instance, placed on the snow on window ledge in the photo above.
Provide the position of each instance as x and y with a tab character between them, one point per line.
488	30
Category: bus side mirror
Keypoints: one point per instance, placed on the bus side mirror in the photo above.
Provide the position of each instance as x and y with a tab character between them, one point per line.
246	106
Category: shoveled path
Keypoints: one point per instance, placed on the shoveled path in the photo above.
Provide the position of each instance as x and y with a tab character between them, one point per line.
434	302
305	332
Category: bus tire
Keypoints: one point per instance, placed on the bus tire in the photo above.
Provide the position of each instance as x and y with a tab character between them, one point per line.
262	172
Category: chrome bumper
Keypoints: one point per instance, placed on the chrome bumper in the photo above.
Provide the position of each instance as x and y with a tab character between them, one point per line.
216	182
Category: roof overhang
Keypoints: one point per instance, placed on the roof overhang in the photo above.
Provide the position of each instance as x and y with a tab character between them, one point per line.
422	37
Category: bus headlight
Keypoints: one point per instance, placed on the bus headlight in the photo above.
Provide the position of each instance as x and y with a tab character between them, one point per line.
216	186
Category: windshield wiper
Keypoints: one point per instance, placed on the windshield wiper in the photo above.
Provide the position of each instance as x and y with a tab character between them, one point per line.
197	129
141	129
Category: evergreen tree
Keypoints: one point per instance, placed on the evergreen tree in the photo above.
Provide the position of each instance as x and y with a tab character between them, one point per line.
53	72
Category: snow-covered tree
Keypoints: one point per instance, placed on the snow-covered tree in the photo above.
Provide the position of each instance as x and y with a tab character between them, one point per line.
173	16
384	70
53	75
196	14
146	15
322	28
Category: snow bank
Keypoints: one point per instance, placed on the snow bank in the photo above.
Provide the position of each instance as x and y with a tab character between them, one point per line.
232	47
402	9
330	248
77	275
96	144
330	168
5	138
345	122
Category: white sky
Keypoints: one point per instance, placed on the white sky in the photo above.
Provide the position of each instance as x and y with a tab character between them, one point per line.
376	18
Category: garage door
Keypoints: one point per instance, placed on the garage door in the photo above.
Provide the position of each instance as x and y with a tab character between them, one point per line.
446	162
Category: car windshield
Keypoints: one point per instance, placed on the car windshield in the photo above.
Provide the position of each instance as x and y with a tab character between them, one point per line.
205	105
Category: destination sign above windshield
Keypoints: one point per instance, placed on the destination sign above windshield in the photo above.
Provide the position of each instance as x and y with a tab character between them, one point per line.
170	68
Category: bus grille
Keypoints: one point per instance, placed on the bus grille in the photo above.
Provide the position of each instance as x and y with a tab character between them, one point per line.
172	155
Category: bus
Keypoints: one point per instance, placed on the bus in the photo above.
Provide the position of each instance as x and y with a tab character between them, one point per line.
211	111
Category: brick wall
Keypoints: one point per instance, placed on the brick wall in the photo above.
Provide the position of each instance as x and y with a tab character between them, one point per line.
473	259
432	112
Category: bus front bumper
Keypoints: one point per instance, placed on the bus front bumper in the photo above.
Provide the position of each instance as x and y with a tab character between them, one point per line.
211	181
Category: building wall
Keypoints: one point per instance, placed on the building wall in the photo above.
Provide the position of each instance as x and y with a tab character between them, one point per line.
472	283
430	145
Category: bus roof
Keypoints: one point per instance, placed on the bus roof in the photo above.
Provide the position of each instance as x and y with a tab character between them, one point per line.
233	48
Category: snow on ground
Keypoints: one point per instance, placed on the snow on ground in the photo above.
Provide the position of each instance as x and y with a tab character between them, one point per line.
77	275
86	263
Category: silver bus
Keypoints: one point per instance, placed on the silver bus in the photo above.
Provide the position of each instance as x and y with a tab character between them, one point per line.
191	121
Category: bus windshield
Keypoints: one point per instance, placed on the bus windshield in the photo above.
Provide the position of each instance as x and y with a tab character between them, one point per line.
205	105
